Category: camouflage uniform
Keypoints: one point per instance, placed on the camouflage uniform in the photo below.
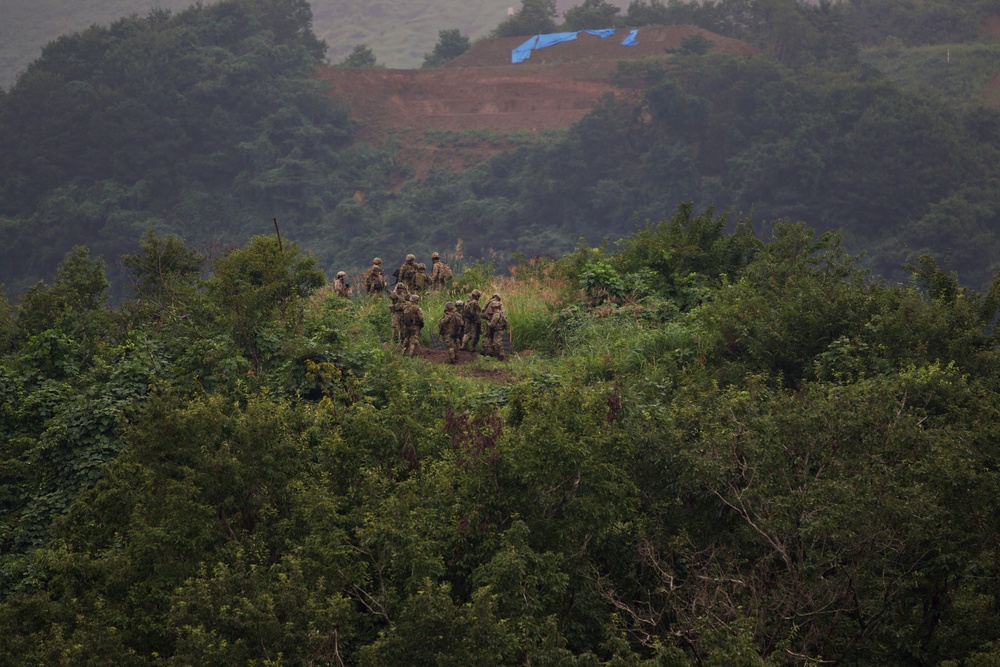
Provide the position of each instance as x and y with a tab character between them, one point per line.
408	272
413	322
375	278
496	324
447	327
422	281
471	315
440	273
340	286
398	299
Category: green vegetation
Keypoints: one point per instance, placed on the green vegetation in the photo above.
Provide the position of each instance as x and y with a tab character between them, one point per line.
959	73
723	440
360	56
535	17
453	138
450	45
725	449
592	15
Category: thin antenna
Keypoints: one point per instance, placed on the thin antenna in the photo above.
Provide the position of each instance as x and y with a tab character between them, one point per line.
278	232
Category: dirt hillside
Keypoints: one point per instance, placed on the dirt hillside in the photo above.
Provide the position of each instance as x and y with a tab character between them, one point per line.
484	97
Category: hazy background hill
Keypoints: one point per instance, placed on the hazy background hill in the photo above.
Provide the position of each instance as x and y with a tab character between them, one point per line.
210	123
399	31
27	25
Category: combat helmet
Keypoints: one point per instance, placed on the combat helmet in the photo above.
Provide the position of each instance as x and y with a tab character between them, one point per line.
414	298
411	258
421	265
342	274
459	303
476	294
377	261
449	306
435	256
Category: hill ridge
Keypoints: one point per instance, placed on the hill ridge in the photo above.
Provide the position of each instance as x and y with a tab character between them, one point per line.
482	91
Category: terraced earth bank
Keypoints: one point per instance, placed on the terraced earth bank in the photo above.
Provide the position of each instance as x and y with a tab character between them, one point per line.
480	104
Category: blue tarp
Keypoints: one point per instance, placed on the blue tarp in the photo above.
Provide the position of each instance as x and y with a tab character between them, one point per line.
523	52
630	40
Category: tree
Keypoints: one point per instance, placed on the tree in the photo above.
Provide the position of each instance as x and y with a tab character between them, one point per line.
536	17
697	45
254	285
75	302
592	15
164	261
641	13
451	44
360	57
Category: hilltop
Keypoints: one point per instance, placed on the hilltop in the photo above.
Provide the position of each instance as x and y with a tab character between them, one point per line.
482	95
401	32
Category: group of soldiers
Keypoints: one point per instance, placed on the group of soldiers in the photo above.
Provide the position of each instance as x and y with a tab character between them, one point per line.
461	327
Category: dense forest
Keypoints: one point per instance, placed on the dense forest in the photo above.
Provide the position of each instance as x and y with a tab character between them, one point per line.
721	449
726	436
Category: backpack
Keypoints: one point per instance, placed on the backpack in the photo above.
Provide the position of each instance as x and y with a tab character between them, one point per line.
445	272
410	316
374	281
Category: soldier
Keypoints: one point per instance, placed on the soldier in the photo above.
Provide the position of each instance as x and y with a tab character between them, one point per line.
375	278
407	272
422	281
413	322
340	286
447	326
440	272
471	314
398	299
496	324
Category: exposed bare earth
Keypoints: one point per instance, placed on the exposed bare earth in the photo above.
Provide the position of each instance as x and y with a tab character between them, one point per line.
483	91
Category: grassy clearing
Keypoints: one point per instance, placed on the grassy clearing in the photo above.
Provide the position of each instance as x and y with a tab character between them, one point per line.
591	346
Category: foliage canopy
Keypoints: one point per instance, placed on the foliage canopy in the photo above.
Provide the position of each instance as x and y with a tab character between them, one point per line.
734	445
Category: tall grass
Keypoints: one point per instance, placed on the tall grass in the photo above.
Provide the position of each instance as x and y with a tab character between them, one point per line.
530	304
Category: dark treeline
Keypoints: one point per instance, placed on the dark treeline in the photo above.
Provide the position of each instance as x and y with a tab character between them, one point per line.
794	31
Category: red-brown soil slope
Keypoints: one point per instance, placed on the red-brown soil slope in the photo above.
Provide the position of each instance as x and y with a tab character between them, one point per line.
482	90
